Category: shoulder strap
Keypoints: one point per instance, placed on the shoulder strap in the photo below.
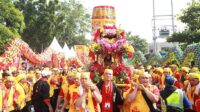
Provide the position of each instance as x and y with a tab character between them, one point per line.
149	103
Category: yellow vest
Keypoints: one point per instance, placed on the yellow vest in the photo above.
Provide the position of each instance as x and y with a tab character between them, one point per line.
174	100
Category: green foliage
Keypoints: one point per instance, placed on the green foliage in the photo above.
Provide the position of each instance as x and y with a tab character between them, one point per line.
138	43
68	21
191	17
11	23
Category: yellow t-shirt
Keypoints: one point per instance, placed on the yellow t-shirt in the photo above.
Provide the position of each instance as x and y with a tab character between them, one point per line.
139	104
22	96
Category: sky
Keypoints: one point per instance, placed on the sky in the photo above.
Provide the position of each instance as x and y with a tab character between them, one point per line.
136	15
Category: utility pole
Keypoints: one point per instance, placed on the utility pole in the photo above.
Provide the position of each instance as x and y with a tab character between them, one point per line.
154	29
172	11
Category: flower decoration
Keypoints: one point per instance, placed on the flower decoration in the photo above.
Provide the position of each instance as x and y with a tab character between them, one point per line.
128	48
122	73
108	31
96	70
95	47
111	47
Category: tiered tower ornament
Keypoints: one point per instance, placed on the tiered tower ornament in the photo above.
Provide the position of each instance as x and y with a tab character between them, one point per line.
109	45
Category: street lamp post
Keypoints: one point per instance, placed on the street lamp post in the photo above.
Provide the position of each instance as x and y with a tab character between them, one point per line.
154	29
172	11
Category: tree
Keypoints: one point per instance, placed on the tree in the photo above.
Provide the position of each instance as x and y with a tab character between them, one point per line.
191	17
138	43
11	23
68	21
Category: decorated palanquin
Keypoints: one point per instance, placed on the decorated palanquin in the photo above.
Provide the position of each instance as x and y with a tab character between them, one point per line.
109	46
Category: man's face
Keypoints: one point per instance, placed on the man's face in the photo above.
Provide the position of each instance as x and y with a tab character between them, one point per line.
182	72
108	76
9	84
77	81
85	81
194	81
70	79
144	80
173	68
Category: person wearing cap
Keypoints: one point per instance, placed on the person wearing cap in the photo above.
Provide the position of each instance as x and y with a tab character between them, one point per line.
12	95
142	95
3	94
193	90
157	77
40	97
90	98
73	93
173	99
176	74
26	89
111	98
21	92
184	71
64	90
166	71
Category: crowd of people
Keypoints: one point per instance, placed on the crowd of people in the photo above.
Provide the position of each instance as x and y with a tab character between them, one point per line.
152	89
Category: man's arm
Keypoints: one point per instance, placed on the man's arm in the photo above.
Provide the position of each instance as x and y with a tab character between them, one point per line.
131	96
153	97
96	94
47	102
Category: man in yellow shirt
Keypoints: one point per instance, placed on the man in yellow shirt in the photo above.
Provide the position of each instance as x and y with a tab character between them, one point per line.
90	99
21	79
12	104
135	100
65	89
74	91
193	90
